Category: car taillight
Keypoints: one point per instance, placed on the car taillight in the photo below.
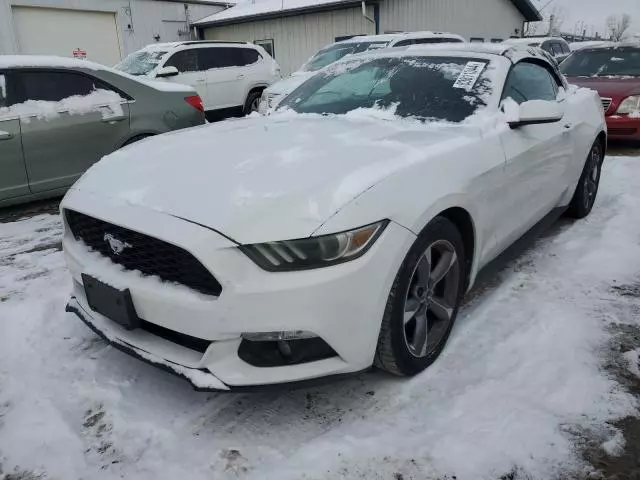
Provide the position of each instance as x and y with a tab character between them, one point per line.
195	101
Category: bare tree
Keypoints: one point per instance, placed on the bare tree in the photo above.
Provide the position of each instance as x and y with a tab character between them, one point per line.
618	26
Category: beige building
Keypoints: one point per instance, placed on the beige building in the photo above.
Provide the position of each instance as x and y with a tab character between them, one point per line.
295	29
101	30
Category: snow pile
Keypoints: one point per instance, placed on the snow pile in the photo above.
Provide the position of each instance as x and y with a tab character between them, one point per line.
522	369
105	101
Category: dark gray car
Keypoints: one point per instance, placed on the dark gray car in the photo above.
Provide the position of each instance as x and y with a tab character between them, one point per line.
59	116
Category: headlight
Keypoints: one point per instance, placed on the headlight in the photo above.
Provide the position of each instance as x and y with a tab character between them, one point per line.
314	252
629	105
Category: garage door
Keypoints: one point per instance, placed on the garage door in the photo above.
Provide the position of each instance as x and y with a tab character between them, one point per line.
49	31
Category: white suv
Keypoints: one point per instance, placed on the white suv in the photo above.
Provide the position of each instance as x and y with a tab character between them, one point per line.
227	75
334	52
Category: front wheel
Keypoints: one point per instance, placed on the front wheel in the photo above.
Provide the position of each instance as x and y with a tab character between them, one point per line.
253	103
587	190
424	301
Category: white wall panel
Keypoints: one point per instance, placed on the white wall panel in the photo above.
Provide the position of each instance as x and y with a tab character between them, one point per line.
470	18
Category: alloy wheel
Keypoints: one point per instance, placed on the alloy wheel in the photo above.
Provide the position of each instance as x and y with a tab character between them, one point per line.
592	176
431	298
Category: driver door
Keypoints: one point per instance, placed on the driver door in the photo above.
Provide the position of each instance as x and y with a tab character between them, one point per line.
537	155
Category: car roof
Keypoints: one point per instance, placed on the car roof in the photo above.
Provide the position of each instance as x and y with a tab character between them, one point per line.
194	43
390	37
512	53
612	46
528	40
46	61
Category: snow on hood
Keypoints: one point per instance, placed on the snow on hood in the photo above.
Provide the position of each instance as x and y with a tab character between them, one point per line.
289	84
265	179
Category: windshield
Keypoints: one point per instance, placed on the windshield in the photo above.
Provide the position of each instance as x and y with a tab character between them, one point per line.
141	62
427	88
603	63
336	52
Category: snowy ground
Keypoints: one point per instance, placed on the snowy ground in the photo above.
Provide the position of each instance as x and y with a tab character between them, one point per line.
520	383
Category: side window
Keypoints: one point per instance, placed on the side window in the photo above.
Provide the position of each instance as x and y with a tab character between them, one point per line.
227	56
405	43
54	86
528	81
496	40
476	40
546	46
565	48
249	56
184	61
557	49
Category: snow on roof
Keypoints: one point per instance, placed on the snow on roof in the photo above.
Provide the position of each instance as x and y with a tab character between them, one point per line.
529	40
389	37
252	8
15	61
257	8
45	61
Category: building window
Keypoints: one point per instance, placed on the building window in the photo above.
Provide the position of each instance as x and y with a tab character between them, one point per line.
267	44
496	40
476	40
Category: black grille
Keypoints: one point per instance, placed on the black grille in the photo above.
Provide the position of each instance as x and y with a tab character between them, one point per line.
146	254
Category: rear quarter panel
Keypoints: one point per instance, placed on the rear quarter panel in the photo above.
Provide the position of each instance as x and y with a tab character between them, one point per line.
154	111
584	111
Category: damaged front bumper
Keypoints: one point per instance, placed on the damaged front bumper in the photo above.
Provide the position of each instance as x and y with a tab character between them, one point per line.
201	380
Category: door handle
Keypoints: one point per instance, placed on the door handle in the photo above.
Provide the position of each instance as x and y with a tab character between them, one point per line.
5	136
114	119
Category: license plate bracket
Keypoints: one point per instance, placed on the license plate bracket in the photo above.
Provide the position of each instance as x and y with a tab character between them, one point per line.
115	304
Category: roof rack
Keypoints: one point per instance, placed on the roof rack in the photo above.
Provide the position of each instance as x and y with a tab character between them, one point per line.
198	42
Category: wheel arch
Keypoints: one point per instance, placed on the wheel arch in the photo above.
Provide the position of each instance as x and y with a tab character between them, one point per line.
463	221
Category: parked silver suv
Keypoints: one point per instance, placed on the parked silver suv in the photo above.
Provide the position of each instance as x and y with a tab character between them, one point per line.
58	116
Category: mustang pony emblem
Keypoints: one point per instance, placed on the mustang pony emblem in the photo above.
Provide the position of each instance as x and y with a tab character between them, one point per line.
117	246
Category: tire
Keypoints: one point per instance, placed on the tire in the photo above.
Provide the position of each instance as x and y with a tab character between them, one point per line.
586	191
399	350
253	100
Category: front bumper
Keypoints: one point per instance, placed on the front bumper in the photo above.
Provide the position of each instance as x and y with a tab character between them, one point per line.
343	305
623	127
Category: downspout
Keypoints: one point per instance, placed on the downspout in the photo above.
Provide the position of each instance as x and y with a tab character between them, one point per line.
364	14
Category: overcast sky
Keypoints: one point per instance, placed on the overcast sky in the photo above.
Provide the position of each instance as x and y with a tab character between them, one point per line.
594	12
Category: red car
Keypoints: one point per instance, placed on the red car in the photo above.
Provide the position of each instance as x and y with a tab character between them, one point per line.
614	71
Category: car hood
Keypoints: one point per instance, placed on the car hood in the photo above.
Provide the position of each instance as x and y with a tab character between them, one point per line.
264	179
610	86
289	84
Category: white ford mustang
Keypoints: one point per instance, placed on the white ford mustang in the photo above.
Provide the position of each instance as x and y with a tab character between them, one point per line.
342	231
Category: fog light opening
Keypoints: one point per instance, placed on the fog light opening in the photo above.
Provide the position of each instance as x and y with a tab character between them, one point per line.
284	335
279	349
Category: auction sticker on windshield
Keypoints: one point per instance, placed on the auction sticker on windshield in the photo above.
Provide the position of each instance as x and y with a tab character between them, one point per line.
469	75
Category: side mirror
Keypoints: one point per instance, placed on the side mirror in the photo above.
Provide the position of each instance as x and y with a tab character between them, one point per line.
165	72
537	112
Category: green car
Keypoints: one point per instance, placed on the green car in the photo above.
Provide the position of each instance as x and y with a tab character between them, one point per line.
59	116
